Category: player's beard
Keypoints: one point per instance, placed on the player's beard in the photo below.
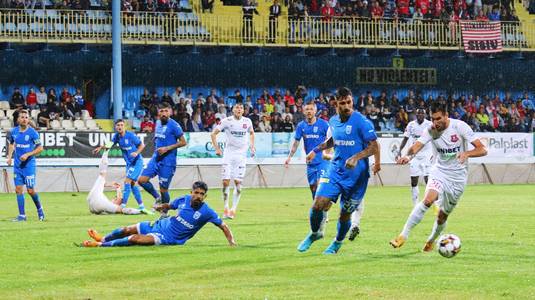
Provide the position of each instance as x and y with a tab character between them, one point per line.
196	203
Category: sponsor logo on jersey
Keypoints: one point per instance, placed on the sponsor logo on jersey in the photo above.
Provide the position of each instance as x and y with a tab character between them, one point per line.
184	222
164	128
126	148
449	152
126	141
315	129
326	180
344	143
238	133
312	136
454	138
196	215
27	138
158	135
348	129
244	126
23	146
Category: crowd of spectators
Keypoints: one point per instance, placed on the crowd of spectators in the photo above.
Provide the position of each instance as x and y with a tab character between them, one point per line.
50	105
281	112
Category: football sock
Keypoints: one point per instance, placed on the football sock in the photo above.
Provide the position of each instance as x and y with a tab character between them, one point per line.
224	193
126	193
131	211
415	193
343	228
437	231
114	235
416	216
313	195
104	162
36	201
166	197
116	243
315	220
236	196
20	202
137	195
324	222
149	188
357	214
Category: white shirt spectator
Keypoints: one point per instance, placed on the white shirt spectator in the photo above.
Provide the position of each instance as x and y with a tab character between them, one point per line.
280	105
221	116
176	97
188	108
287	114
41	98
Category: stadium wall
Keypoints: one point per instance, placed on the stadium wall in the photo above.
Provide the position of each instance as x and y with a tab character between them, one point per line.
250	72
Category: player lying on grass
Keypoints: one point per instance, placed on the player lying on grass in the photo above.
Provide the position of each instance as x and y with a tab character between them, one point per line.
192	215
99	203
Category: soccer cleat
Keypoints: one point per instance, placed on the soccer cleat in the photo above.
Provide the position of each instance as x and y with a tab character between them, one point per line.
428	247
353	232
333	247
19	218
435	208
141	207
157	201
88	243
326	220
146	211
164	215
305	244
231	214
41	214
94	235
397	242
123	205
109	145
225	214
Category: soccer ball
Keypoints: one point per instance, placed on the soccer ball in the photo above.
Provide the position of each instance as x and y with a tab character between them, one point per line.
449	245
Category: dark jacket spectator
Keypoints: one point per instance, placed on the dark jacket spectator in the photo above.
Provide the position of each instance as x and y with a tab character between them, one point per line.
287	125
16	99
238	97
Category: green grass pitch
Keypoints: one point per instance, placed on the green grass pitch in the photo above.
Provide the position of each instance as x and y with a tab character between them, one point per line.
495	223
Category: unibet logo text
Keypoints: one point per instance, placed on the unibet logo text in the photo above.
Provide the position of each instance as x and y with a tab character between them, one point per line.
507	144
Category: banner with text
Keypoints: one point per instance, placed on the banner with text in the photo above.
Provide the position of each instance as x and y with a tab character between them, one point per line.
481	37
397	76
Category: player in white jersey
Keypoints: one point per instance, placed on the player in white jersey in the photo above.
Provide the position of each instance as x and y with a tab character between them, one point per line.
449	173
423	159
99	203
234	158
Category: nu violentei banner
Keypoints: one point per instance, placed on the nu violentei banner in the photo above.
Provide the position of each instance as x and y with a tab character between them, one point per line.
482	37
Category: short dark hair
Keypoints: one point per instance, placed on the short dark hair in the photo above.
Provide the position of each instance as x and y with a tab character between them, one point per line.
118	121
237	103
164	105
311	102
200	185
438	107
342	92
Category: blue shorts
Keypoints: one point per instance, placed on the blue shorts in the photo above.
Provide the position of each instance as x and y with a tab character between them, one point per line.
352	193
133	171
165	173
316	172
154	228
24	176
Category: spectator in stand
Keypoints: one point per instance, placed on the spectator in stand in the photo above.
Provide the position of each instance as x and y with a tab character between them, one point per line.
276	94
320	105
248	103
266	98
472	108
383	98
177	95
331	108
327	13
264	125
254	115
167	99
222	103
185	123
52	94
221	114
494	15
258	105
269	107
145	100
248	26
298	103
16	99
147	125
215	97
286	113
209	120
504	16
182	109
395	104
359	103
256	126
508	100
526	100
514	111
150	6
210	105
487	6
409	109
531	123
287	125
276	113
41	96
374	117
462	14
176	116
79	98
65	96
201	97
274	12
73	108
456	115
496	122
496	100
402	119
31	100
460	109
478	6
196	124
299	115
300	93
483	119
369	106
52	108
198	105
188	98
207	4
264	112
43	118
276	124
403	7
155	100
237	96
279	104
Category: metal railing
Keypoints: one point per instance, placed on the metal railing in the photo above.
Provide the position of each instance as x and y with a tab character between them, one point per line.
57	26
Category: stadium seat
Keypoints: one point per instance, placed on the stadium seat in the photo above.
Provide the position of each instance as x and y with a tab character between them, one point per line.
73	28
193	18
40	13
182	17
11	27
6	124
23	27
4	105
67	124
140	113
9	113
34	113
100	14
85	115
60	27
92	125
36	27
29	12
136	124
55	124
2	115
80	124
85	28
52	14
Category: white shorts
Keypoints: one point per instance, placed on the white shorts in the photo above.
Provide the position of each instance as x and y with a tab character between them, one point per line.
233	165
449	193
419	163
98	202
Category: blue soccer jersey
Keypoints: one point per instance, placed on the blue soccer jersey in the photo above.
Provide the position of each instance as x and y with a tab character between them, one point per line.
166	135
312	135
25	142
129	144
350	138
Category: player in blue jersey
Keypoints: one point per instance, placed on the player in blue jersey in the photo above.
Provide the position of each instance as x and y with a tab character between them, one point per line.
163	161
354	139
131	147
24	144
313	131
193	213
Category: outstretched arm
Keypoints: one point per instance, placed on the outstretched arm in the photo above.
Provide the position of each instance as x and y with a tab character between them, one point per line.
373	147
403	143
479	150
295	145
411	153
228	234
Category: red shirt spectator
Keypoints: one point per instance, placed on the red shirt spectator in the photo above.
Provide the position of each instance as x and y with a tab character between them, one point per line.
288	98
459	3
521	111
423	5
209	118
377	12
482	17
403	7
65	96
147	125
31	98
266	97
327	12
438	5
472	109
